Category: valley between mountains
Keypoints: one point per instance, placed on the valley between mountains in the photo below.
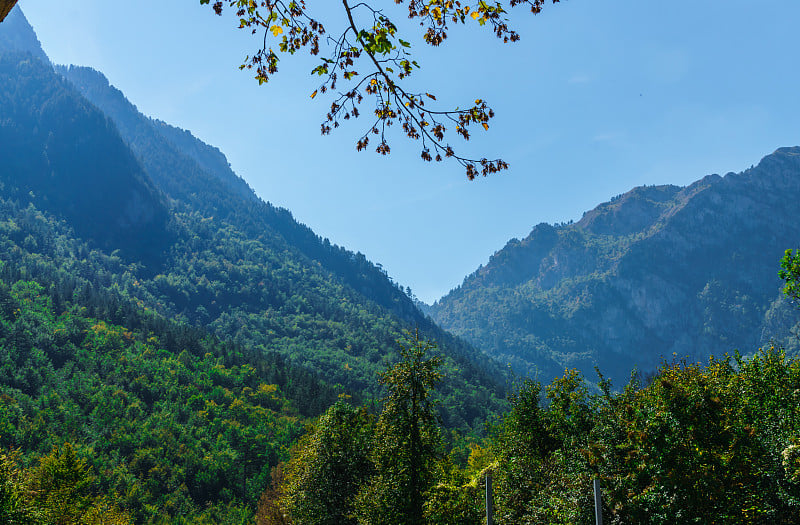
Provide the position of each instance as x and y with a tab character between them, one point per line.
175	349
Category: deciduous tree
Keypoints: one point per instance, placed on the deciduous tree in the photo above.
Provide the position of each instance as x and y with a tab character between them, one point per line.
407	440
368	59
790	272
328	466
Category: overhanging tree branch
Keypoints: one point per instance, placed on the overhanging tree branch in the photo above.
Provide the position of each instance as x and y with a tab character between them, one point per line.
288	25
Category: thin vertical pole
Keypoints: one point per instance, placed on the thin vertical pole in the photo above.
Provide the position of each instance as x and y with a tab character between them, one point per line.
489	499
598	504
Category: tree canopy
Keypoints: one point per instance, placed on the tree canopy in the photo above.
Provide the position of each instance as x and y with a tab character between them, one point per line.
368	59
790	272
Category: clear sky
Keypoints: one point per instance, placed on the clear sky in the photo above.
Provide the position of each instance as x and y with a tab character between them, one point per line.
597	97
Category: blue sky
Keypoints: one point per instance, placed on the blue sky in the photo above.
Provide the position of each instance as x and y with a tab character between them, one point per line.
597	97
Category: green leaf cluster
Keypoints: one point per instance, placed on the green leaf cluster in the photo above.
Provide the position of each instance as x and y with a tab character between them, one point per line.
350	468
790	272
698	444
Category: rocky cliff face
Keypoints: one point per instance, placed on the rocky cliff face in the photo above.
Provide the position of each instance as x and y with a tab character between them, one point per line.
655	273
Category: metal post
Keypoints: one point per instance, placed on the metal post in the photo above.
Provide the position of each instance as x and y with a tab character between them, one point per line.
598	504
489	499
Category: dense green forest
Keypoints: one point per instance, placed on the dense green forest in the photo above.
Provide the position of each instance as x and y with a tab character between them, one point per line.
161	352
170	422
175	350
714	443
107	424
212	254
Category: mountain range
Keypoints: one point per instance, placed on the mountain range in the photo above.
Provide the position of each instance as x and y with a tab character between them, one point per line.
658	274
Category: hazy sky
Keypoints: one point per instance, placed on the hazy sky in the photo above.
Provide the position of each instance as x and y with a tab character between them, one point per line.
597	97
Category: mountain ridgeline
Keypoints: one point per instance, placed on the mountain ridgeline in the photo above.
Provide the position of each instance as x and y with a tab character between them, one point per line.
50	137
164	331
191	241
173	349
658	272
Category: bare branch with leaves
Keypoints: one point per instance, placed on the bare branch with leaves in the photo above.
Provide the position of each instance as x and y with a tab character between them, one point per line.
368	60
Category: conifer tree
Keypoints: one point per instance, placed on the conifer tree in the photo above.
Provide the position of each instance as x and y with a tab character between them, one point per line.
407	440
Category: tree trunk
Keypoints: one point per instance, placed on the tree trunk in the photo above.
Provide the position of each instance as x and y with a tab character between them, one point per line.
5	8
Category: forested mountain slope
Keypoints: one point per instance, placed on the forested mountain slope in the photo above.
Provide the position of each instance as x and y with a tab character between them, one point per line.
174	422
50	137
241	268
658	271
18	35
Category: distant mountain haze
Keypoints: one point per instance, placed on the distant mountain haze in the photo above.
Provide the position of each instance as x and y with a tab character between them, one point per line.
656	273
64	155
18	35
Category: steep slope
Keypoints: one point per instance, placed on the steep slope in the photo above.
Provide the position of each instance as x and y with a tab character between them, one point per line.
197	176
184	167
656	272
253	273
249	273
50	137
175	423
17	35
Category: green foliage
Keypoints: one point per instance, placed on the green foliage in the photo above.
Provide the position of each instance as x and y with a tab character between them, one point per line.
329	465
790	272
454	499
713	444
15	505
57	491
407	440
167	433
347	469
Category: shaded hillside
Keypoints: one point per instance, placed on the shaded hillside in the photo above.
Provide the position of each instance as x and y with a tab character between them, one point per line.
185	168
50	137
17	35
197	177
657	271
249	271
244	269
